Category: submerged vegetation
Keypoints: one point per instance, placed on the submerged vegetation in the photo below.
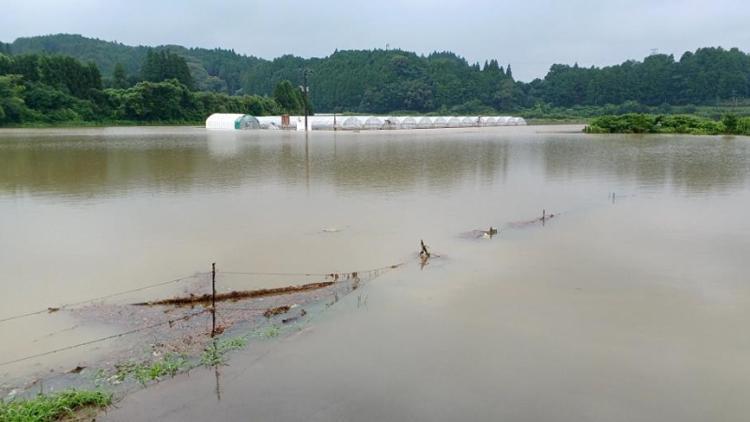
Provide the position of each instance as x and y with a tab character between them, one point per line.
52	407
144	372
215	353
648	123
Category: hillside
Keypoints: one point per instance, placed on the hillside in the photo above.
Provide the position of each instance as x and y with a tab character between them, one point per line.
383	81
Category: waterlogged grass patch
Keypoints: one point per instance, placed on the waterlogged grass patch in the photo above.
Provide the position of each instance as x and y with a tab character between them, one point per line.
270	332
216	351
152	371
52	407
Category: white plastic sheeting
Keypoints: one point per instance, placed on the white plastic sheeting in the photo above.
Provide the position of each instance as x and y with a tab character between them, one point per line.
392	122
408	122
231	121
351	123
439	122
454	121
503	121
487	121
424	123
269	122
323	122
373	123
470	121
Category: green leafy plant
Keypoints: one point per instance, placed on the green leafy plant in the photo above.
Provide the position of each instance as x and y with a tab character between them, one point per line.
215	353
52	407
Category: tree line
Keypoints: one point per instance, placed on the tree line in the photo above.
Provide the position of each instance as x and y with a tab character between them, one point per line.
706	76
390	81
51	89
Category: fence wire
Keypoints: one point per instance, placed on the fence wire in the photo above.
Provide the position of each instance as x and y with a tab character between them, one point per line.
97	299
98	340
338	277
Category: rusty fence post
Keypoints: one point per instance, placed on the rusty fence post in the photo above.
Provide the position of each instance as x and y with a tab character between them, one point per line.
213	299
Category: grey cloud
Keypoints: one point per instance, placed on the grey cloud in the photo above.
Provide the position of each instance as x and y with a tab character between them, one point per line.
531	35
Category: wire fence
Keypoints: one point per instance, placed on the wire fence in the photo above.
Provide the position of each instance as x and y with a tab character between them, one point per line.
335	277
101	339
52	309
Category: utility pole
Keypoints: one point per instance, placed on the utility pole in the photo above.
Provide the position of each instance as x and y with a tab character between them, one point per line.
304	93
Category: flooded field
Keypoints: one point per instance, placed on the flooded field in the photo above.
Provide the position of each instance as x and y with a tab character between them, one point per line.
630	304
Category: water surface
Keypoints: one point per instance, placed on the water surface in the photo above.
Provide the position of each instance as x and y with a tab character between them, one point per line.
628	310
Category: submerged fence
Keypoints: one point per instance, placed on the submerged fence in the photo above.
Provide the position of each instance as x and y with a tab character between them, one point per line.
206	302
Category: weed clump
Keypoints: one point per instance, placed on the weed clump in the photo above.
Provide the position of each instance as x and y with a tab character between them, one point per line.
52	407
153	371
215	353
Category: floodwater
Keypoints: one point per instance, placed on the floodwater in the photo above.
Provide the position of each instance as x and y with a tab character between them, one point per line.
626	309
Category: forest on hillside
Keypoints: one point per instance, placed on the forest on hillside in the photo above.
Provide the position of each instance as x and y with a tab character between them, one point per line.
366	81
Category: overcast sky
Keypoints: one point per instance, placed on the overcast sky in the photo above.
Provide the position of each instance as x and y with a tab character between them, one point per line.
530	34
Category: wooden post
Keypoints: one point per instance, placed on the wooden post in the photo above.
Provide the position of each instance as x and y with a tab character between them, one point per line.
213	299
424	252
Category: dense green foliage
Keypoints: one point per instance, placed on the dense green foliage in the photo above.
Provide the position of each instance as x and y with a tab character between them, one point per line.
162	65
289	98
47	408
396	81
53	89
650	123
704	77
377	81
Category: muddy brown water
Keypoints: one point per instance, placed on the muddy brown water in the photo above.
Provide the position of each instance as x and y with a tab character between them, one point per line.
628	310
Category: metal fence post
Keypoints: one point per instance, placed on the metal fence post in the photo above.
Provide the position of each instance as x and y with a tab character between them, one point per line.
213	299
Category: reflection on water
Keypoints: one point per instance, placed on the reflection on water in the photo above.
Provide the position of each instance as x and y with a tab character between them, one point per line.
689	164
633	309
87	164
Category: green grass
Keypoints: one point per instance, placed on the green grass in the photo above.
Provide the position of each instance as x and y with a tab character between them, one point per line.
215	352
52	407
270	332
152	371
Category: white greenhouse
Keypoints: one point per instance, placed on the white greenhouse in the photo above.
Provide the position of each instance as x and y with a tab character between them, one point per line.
229	121
424	123
350	123
439	122
503	121
488	121
454	122
323	122
269	122
392	122
373	123
408	123
469	121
